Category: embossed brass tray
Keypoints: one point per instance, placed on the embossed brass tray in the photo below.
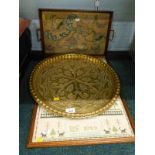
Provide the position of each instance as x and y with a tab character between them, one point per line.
74	85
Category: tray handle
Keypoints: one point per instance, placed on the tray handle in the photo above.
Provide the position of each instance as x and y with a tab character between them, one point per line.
112	35
38	34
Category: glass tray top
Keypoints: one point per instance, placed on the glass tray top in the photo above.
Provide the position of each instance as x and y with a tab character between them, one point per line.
74	85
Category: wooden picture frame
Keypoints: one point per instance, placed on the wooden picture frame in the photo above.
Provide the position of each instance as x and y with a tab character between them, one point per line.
79	142
78	11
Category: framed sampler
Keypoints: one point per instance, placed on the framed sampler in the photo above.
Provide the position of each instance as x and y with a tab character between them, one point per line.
113	126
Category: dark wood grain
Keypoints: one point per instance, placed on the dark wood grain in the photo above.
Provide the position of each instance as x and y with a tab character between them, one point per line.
128	114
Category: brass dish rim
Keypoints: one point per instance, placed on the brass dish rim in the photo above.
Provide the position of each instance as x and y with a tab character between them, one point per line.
73	115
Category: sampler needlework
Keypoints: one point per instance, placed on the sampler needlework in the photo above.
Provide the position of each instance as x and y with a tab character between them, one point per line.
112	123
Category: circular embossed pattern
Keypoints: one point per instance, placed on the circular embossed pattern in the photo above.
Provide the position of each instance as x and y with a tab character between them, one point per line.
74	85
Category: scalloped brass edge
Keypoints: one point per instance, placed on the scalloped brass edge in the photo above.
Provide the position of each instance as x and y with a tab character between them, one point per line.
72	115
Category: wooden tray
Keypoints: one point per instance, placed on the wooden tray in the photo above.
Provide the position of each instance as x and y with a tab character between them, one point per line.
75	31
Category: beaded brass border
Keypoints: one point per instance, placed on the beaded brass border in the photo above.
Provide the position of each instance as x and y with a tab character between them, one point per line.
69	56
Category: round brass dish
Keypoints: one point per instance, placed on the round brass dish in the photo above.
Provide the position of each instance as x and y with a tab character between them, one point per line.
74	85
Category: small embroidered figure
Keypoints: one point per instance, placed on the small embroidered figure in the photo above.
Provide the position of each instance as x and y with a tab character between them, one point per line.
107	131
114	129
43	134
61	133
123	130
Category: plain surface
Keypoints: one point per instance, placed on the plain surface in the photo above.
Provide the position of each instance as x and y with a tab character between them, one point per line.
124	66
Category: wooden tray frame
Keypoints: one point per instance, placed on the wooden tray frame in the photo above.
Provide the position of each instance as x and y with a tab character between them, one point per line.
82	141
40	10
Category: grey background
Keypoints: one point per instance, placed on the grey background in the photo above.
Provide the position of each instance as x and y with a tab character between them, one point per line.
124	9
